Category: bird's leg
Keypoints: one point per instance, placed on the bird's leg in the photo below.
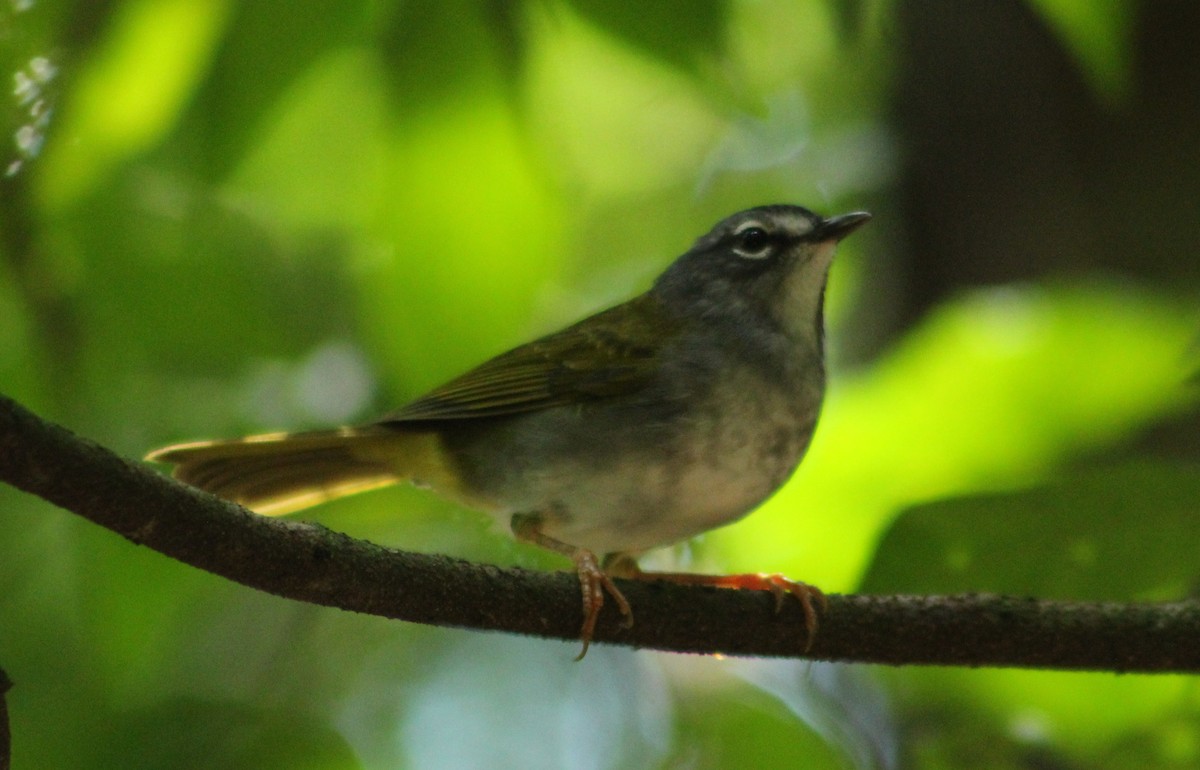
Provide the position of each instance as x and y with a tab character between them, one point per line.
593	581
778	585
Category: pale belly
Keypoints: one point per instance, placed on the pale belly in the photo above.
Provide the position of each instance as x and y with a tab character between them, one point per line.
640	505
637	500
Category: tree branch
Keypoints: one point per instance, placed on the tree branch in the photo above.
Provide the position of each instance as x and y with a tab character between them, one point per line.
310	563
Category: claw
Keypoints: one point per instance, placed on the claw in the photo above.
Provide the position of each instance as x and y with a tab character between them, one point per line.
593	582
779	586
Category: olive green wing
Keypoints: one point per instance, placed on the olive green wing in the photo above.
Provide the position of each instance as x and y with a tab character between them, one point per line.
609	354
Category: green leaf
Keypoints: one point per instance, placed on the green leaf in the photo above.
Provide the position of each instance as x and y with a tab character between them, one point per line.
1099	35
148	65
679	32
269	46
1085	537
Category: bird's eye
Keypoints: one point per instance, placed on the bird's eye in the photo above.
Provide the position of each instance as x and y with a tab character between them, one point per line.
753	243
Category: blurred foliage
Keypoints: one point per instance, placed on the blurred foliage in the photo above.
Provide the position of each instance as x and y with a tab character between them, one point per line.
222	217
1088	546
1099	37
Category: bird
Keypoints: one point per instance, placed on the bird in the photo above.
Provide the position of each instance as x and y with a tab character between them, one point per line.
663	417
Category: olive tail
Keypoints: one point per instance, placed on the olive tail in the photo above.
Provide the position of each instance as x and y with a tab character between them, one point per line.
279	473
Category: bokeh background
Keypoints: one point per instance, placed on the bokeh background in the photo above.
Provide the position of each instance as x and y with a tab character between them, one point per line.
219	218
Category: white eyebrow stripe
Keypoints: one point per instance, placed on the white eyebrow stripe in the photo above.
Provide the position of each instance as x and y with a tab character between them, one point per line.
799	225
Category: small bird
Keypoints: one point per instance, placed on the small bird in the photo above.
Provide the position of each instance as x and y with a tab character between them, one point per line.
666	416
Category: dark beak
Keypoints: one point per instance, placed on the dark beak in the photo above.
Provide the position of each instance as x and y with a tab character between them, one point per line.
837	228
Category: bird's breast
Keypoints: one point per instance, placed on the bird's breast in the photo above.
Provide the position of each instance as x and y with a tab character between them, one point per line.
620	479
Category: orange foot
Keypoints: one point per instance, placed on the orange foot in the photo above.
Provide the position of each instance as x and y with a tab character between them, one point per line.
776	584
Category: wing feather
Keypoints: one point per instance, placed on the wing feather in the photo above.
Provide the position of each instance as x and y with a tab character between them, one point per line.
610	354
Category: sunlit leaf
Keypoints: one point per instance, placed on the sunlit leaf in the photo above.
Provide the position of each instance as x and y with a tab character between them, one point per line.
268	46
1099	35
314	162
472	235
613	119
149	64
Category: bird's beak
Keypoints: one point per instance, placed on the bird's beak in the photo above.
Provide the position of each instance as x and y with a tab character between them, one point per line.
837	228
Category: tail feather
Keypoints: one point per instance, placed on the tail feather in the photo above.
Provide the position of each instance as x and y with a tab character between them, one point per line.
280	473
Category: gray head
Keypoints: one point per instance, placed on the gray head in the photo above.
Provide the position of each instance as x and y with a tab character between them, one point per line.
764	265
